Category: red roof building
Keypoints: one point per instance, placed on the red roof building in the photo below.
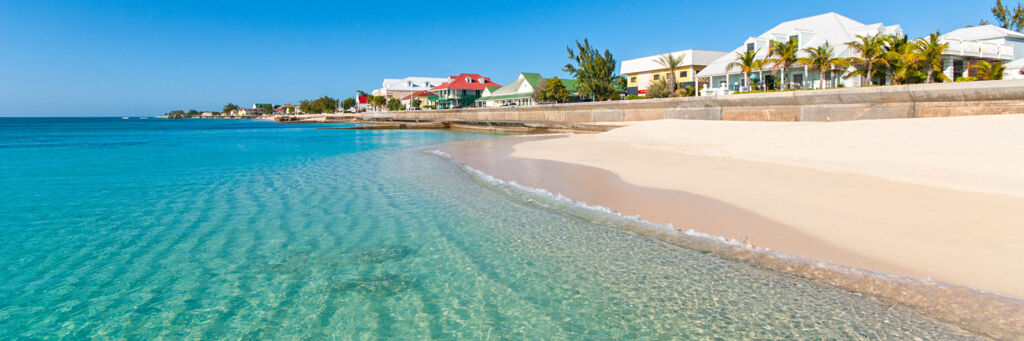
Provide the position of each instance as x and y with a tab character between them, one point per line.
460	91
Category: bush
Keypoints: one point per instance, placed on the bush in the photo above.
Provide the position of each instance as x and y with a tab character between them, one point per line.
632	97
966	79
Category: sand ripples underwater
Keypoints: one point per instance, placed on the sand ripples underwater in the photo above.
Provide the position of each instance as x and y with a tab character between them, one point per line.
230	229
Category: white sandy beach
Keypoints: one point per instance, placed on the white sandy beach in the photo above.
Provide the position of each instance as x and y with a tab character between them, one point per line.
935	198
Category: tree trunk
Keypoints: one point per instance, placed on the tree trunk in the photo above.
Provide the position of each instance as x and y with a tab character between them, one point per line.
869	74
822	79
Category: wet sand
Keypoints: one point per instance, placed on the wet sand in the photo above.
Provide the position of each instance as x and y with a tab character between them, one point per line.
865	218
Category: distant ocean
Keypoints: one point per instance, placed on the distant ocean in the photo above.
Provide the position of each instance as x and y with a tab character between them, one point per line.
219	229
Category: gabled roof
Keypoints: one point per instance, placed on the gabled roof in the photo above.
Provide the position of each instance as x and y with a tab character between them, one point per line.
423	93
534	80
983	32
813	32
411	83
467	81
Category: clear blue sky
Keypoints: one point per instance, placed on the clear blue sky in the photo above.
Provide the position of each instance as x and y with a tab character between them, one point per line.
115	58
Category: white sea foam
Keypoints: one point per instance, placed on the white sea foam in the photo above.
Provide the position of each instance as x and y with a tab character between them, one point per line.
966	307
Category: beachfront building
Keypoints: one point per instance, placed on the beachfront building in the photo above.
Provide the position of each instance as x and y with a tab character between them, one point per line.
989	43
814	31
286	109
460	91
520	92
423	96
399	88
641	72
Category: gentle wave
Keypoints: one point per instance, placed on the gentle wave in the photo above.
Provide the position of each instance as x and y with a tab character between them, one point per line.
988	313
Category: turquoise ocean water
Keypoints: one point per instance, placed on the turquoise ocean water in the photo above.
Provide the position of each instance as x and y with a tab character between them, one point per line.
217	229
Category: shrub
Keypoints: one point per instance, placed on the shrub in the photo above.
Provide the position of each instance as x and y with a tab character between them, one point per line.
966	79
632	97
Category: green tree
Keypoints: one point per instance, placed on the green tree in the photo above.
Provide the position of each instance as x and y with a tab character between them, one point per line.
192	113
904	63
320	105
416	103
931	49
823	60
672	63
989	71
872	56
265	108
659	89
1011	19
552	90
348	103
228	108
378	102
746	61
395	105
783	56
594	72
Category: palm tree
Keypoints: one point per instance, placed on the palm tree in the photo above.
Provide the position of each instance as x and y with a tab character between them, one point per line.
931	50
746	62
783	57
871	54
894	46
822	59
672	63
987	71
904	62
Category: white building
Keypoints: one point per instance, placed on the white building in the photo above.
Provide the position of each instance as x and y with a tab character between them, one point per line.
641	72
399	88
814	31
989	43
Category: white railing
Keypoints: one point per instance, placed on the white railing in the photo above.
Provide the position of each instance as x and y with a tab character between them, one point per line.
979	49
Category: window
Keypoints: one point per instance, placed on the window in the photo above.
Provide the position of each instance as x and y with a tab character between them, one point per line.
750	47
657	77
795	38
682	74
632	79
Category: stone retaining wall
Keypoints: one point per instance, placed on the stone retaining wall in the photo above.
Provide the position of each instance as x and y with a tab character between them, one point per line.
905	101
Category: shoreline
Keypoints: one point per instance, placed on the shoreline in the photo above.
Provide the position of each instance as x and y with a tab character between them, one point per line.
990	305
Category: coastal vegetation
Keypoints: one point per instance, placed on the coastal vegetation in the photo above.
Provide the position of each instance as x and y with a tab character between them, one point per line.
1011	19
672	63
594	72
348	103
782	56
228	108
395	105
552	91
988	71
320	105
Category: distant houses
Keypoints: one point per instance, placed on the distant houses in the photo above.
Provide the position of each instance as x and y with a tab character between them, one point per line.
400	88
521	92
641	72
967	46
423	97
461	91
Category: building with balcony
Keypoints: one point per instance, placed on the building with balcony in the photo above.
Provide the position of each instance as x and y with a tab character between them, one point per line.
988	43
641	72
460	91
520	92
399	88
814	31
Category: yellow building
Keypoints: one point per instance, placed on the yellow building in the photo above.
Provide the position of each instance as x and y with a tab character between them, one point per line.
641	72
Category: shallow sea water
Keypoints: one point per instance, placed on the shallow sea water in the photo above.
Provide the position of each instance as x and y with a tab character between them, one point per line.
219	229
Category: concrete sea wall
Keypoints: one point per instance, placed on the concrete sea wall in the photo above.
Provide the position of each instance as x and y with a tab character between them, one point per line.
905	101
